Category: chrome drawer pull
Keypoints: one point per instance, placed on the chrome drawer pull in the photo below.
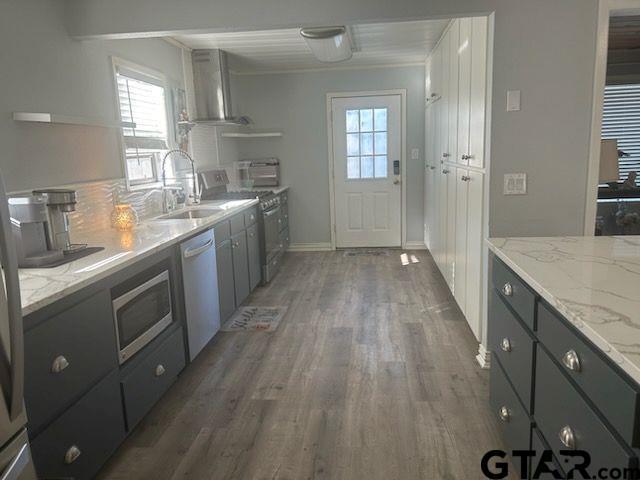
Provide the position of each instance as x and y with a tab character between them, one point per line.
507	290
59	364
505	345
567	437
571	361
72	455
160	370
504	414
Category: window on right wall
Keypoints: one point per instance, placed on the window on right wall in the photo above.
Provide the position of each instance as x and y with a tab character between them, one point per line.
621	121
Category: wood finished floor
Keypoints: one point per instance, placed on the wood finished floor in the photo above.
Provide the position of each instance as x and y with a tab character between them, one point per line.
370	375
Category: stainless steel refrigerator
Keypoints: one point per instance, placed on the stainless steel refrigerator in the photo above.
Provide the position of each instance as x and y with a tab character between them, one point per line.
15	455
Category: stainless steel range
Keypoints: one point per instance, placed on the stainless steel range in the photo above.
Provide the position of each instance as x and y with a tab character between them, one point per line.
270	221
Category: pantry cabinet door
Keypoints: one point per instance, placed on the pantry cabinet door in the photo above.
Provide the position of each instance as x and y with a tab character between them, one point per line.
460	256
452	198
463	50
454	37
478	91
475	201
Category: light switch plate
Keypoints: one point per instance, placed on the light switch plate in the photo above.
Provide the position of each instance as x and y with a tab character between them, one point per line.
515	184
415	153
513	100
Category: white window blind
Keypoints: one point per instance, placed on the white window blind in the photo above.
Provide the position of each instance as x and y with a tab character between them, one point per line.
621	121
142	101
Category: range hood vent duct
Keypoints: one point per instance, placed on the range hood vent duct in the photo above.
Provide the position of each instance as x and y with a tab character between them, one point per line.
213	89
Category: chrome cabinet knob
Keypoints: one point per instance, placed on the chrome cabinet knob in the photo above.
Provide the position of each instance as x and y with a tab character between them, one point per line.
279	220
72	454
445	171
432	167
286	215
567	437
467	157
446	155
505	345
504	414
571	361
507	290
160	370
465	178
59	364
251	235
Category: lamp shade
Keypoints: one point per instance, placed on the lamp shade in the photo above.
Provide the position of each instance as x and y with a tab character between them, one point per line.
609	169
328	44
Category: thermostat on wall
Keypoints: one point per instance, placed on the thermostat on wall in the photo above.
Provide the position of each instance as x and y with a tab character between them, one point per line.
515	183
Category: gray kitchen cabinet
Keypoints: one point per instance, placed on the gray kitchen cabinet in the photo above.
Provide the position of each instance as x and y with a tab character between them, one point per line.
253	251
226	285
240	267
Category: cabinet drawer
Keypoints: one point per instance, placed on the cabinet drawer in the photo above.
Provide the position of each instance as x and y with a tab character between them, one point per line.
560	407
514	291
539	445
144	386
93	427
250	216
237	223
593	374
512	417
66	355
222	231
510	341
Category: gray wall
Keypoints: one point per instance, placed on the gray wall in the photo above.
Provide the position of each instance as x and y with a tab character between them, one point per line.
44	70
545	48
296	104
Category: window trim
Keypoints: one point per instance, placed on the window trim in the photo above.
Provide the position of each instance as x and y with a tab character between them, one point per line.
158	78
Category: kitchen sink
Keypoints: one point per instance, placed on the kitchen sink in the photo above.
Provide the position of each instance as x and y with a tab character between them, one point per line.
192	214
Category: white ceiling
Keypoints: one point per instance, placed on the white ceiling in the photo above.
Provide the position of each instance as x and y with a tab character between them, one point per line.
279	50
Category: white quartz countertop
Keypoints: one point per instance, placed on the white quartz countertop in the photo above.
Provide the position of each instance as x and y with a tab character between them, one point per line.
42	286
276	190
593	281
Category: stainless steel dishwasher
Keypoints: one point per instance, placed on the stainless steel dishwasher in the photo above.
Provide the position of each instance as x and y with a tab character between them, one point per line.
200	279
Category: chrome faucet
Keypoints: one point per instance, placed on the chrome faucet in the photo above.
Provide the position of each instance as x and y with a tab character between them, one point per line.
195	196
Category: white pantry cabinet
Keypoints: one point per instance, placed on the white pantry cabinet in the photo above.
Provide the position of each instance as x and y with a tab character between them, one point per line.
455	117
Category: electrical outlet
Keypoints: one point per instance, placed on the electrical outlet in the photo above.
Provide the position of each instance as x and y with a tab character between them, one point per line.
513	100
515	184
415	153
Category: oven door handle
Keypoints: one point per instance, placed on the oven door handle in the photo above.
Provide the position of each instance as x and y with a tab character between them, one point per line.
192	252
272	212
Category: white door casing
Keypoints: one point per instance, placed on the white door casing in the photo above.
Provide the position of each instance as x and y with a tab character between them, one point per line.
367	141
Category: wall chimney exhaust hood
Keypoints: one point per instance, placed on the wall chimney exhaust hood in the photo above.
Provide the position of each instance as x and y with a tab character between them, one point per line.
212	89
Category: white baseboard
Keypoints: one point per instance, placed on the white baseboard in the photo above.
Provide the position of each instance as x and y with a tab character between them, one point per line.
483	357
310	247
415	245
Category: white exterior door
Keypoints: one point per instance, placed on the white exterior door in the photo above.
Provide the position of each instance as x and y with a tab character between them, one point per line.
367	170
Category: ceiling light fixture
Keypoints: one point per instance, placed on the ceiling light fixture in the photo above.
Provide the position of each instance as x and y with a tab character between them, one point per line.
328	44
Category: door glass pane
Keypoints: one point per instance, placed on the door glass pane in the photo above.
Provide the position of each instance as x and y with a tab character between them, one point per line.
366	143
380	119
366	120
381	166
353	144
381	143
353	167
366	169
353	120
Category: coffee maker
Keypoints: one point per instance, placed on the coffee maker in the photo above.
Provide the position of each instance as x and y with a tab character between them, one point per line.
30	227
60	202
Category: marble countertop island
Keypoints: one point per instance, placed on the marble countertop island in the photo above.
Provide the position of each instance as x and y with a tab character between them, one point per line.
593	281
40	287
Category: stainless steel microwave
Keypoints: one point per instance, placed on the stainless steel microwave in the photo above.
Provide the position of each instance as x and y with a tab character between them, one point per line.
141	314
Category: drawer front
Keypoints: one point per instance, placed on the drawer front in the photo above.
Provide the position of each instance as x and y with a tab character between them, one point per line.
593	374
561	409
513	345
66	355
237	223
250	216
152	378
93	427
222	231
539	445
514	291
512	417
